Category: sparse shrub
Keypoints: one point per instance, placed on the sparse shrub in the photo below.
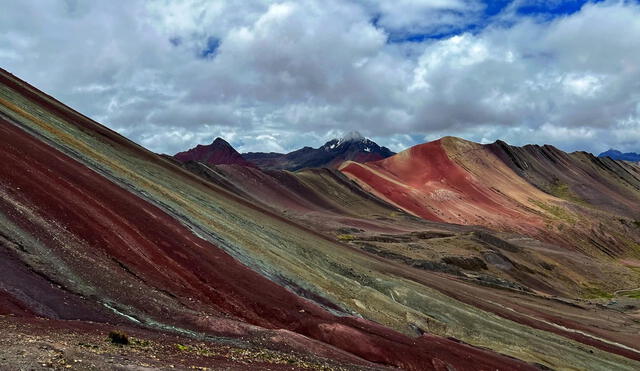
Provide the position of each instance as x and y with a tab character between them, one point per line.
182	348
119	337
346	237
596	293
547	266
140	342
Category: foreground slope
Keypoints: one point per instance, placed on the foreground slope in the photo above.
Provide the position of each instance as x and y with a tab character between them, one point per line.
158	247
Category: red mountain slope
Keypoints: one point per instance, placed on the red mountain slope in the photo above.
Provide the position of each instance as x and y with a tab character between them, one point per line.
578	201
427	181
110	252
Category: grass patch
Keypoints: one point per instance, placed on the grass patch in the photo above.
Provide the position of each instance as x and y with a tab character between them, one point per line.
596	293
183	348
346	237
556	211
562	190
200	350
634	295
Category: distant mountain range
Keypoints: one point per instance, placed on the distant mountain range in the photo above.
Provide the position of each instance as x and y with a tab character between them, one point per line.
617	155
351	147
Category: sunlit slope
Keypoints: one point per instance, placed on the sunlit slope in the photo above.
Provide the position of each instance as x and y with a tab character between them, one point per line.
328	202
579	202
340	278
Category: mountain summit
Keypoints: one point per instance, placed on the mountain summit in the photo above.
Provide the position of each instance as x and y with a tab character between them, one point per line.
353	146
219	152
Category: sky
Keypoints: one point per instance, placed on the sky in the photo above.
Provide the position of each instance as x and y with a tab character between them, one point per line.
278	75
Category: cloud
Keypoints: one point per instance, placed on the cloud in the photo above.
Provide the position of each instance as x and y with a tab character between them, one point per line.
403	18
277	75
571	75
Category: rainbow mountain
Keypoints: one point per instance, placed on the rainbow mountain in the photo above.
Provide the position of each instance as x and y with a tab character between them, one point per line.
449	255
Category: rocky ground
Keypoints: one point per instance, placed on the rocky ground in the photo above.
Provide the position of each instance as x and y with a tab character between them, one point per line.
39	344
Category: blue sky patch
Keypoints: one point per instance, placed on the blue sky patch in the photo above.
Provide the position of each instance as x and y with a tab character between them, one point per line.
212	45
175	41
547	10
552	9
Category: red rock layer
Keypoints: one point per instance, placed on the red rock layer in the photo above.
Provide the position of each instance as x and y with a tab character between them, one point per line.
427	182
48	194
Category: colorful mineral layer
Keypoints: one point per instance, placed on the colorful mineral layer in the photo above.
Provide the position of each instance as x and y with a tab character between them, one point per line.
450	255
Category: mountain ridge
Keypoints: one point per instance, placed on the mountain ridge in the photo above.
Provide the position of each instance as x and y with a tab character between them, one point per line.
459	180
618	155
353	146
219	152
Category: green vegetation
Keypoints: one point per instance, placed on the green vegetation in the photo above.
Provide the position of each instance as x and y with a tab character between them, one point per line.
562	190
119	337
557	211
596	293
346	237
200	349
633	294
183	348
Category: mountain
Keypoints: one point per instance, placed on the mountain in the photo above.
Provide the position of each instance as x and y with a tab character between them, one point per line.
99	234
574	200
353	147
393	263
219	152
617	155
